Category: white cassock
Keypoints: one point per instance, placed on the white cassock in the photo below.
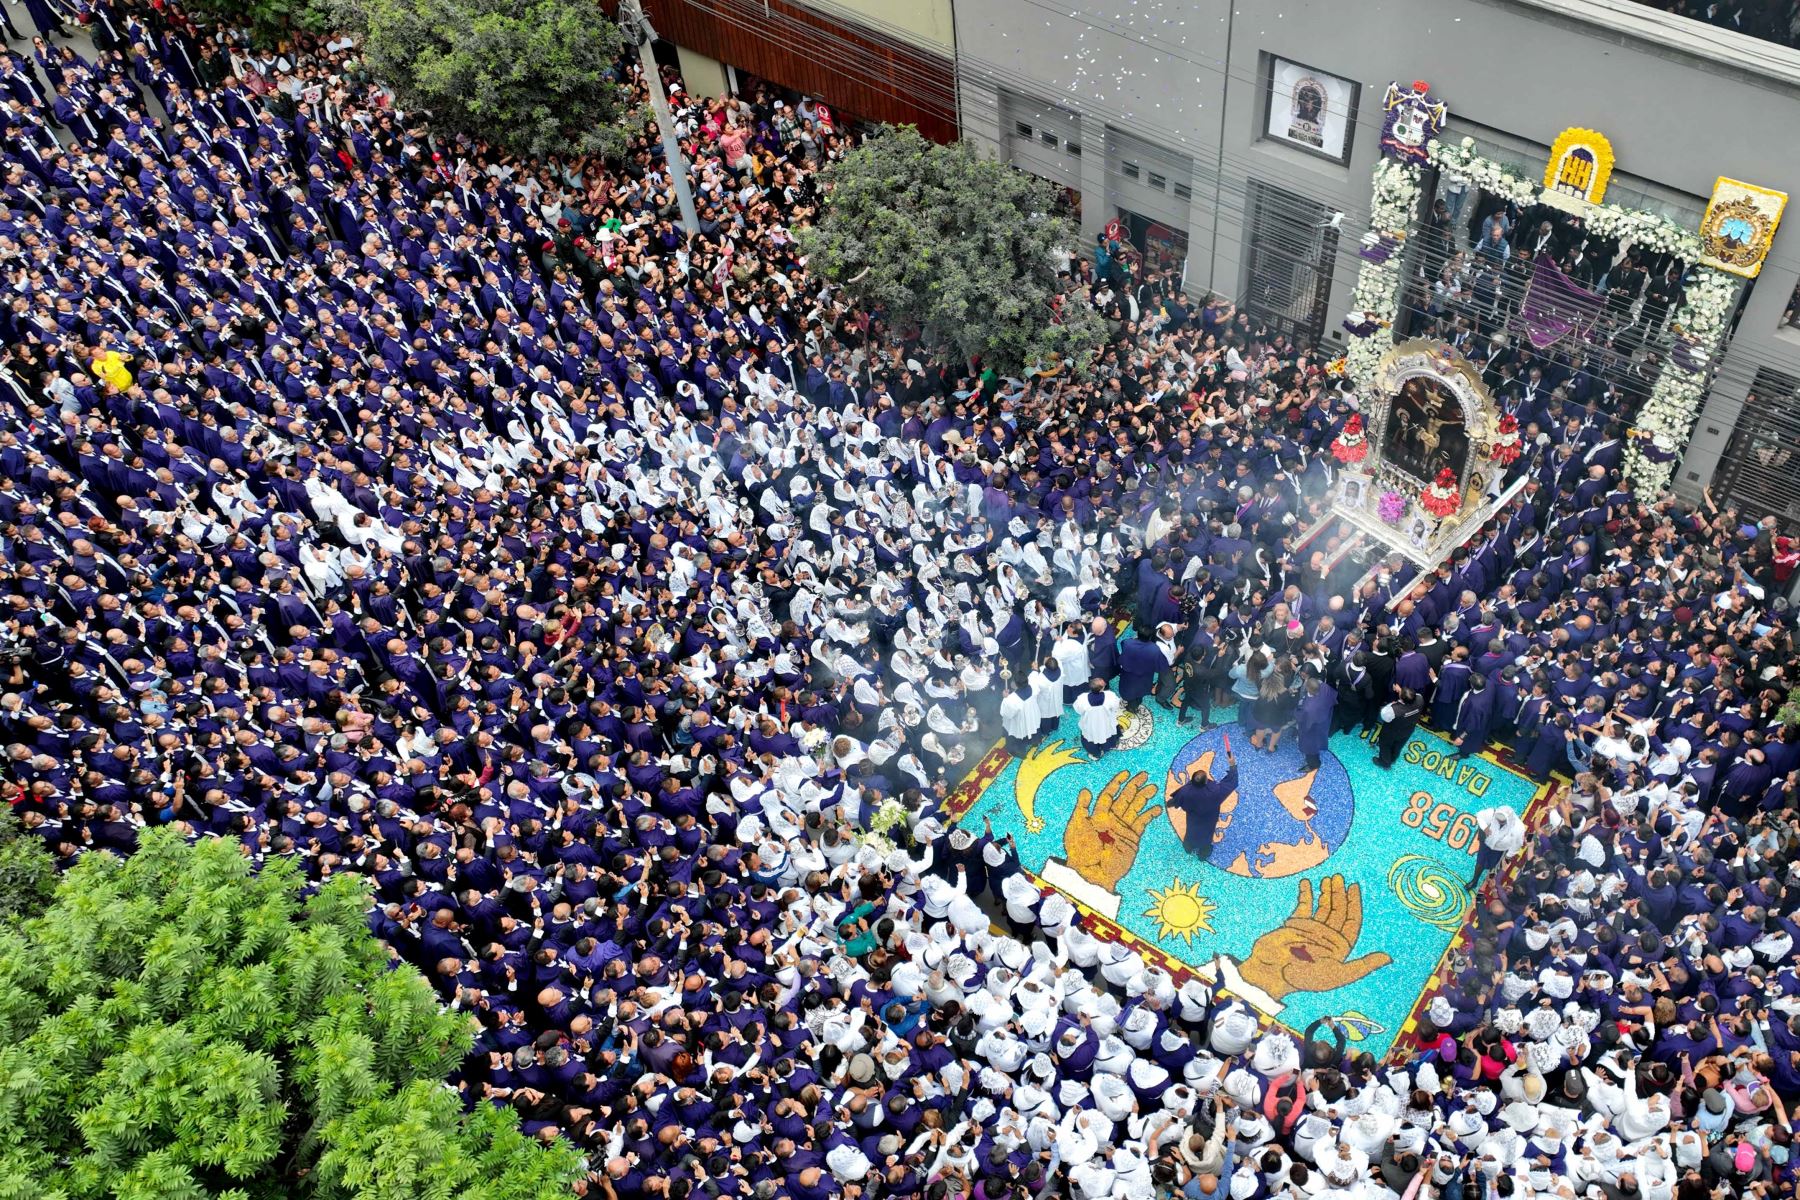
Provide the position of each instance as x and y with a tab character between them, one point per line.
1019	715
1099	716
1047	696
1072	660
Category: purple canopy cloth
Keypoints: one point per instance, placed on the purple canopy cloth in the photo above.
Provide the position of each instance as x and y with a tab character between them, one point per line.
1555	306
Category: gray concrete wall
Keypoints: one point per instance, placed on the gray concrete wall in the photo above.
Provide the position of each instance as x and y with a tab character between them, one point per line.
1188	77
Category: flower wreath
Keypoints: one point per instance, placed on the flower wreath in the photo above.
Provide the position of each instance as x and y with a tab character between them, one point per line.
1441	497
1351	446
1505	450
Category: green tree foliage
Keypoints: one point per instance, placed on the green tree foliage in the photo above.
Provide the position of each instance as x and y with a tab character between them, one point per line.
959	245
269	20
27	872
534	77
177	1026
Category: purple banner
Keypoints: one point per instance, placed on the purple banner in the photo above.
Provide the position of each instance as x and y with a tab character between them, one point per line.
1555	306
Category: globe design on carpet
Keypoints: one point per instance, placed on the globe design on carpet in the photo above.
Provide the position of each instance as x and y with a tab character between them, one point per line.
1285	819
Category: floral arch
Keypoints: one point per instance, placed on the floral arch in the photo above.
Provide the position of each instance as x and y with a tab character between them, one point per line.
1666	419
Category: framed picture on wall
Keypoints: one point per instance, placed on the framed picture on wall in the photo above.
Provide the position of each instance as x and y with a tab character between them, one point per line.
1309	109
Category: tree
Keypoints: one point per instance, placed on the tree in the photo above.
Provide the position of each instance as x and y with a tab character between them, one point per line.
27	872
178	1026
956	244
268	20
534	77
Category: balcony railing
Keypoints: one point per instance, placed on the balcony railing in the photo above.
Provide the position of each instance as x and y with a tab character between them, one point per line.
1754	36
1775	21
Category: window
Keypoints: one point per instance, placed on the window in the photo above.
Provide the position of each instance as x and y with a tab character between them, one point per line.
1308	109
1760	469
1183	191
1074	148
1791	317
1049	139
1129	170
1158	182
1022	129
1289	259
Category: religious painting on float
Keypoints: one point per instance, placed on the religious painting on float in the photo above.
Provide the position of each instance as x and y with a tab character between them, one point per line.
1432	436
1426	432
1327	891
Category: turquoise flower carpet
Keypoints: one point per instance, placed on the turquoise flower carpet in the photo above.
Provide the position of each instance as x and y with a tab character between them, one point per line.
1334	893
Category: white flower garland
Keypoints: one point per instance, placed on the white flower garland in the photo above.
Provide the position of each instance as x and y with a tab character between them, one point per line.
1628	225
1668	416
1645	229
1460	161
1377	295
1396	196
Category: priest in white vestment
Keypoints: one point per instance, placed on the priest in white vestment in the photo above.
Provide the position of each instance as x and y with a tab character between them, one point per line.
1099	709
1021	718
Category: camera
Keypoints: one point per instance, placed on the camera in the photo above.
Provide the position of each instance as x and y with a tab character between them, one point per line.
14	650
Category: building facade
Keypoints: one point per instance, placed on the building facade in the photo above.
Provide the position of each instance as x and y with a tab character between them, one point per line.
1237	139
873	60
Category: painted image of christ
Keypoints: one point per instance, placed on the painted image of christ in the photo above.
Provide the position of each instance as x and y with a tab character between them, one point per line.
1425	431
1306	122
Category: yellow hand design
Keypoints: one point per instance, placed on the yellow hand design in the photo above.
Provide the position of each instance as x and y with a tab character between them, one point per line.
1310	951
1101	840
1034	768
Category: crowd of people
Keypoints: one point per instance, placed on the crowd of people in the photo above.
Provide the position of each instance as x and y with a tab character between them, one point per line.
1771	20
625	605
1473	287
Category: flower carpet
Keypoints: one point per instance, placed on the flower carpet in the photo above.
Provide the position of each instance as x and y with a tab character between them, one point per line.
1334	892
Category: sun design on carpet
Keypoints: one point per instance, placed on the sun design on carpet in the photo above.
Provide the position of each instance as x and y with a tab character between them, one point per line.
1180	910
1136	725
